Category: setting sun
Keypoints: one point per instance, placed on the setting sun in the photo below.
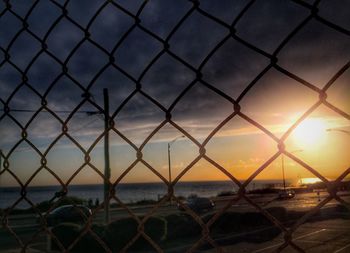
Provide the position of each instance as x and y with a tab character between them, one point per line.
310	132
309	180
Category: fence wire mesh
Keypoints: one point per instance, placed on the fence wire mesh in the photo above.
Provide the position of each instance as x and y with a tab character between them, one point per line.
9	11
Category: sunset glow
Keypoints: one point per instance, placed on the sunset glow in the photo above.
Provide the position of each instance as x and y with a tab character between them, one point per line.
309	180
174	126
156	96
310	132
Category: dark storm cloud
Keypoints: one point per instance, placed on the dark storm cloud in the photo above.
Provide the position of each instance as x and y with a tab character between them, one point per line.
316	53
166	13
230	69
267	23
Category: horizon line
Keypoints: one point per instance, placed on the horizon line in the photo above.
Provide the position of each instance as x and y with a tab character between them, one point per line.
153	182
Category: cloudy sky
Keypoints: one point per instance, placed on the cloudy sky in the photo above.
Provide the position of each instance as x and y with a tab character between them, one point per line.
149	56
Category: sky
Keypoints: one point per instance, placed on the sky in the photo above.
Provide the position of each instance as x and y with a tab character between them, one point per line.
314	54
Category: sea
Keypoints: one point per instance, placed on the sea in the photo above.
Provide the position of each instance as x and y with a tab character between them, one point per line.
126	192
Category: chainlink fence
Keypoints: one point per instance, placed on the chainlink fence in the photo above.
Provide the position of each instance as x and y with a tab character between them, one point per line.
9	12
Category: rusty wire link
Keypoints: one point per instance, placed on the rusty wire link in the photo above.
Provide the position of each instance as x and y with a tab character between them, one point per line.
111	62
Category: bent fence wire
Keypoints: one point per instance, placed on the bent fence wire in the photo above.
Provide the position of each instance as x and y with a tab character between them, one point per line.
273	63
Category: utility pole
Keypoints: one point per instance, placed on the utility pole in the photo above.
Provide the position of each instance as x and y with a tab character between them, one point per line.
107	171
169	159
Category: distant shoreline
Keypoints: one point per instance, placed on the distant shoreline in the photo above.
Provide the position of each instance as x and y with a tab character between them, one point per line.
134	192
268	181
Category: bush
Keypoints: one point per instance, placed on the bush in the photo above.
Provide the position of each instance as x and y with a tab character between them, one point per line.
69	200
121	232
89	244
181	225
67	233
43	206
146	202
226	194
17	211
228	222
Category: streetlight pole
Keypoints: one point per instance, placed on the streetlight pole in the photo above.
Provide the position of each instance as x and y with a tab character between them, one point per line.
169	163
169	159
283	171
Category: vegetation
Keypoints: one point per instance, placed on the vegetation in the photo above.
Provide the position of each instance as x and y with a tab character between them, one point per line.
117	236
143	202
175	230
46	205
69	200
66	234
114	235
226	193
146	202
173	227
181	225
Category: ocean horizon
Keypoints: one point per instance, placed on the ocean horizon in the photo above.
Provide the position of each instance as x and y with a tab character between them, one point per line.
126	192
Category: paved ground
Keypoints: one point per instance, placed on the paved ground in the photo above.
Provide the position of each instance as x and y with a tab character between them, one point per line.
319	237
332	236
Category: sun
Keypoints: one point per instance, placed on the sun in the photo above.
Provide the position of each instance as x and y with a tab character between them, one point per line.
310	180
310	132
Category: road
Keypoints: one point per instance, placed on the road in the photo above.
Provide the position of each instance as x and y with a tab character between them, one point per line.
301	202
331	236
310	235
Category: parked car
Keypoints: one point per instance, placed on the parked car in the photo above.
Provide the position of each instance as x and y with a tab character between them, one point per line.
286	194
198	205
68	213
